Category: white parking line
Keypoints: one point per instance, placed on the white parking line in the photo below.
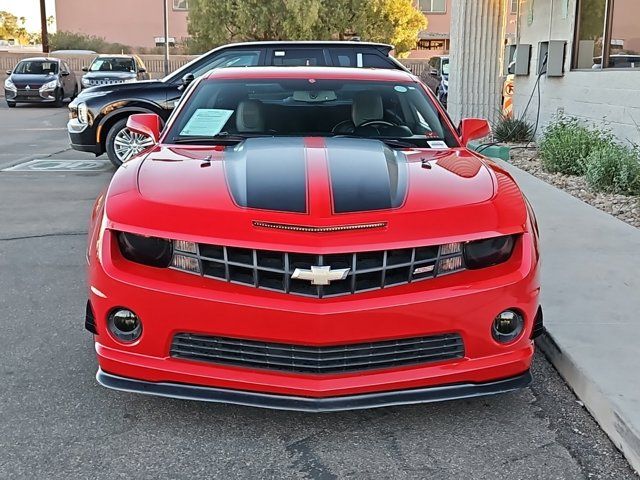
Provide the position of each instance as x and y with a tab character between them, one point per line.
61	165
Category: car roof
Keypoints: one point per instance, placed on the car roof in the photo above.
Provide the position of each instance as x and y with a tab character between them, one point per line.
115	55
40	59
326	43
324	73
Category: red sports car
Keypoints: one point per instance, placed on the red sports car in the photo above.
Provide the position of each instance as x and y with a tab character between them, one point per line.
312	239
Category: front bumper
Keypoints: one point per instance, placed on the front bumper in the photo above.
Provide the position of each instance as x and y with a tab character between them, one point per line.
82	137
304	404
47	96
171	302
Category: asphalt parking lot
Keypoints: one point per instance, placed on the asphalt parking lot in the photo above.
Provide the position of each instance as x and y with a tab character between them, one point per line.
56	422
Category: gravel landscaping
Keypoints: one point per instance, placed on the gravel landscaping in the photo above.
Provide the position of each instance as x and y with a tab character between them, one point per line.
626	208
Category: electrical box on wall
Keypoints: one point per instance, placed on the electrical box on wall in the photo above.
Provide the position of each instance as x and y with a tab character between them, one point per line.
555	61
523	58
551	57
509	56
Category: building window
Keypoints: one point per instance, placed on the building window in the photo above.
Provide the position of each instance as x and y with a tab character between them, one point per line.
181	4
607	34
433	6
513	6
441	44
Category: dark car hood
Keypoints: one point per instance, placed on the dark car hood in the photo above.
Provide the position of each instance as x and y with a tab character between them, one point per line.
122	87
21	80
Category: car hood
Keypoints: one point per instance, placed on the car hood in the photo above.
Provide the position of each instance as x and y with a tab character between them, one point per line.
121	87
109	75
286	185
21	80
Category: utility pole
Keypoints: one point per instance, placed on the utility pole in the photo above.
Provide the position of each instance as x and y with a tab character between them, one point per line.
166	37
43	26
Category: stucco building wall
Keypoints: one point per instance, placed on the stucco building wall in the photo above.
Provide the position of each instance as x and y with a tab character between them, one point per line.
609	97
131	22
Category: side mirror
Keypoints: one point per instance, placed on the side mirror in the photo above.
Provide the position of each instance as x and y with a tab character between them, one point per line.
186	80
9	72
142	70
147	124
64	74
85	69
473	128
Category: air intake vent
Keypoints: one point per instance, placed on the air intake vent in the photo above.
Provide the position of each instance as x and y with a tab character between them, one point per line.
318	360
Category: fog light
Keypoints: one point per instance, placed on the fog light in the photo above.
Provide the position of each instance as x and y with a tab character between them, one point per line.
124	325
507	326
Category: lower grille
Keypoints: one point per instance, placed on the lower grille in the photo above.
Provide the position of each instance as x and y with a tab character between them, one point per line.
318	360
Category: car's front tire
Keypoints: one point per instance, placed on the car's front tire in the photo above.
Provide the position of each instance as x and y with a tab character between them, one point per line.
122	144
59	98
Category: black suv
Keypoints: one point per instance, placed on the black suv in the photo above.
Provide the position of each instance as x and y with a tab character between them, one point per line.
98	117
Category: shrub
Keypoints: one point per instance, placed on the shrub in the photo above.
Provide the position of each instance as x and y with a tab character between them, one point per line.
516	130
614	168
79	41
566	144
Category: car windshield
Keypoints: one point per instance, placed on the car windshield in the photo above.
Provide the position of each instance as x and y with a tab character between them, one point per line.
445	67
115	64
37	67
236	109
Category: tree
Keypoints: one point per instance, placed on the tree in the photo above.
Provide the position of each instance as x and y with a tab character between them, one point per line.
390	21
215	23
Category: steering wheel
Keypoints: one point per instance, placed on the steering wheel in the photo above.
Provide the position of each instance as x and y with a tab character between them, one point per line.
370	123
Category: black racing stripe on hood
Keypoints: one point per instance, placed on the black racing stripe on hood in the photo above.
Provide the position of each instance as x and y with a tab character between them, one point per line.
268	175
365	175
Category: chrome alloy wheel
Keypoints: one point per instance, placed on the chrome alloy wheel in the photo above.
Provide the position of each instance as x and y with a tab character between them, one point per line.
128	144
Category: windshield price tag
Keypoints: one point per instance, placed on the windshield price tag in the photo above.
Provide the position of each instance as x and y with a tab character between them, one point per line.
206	122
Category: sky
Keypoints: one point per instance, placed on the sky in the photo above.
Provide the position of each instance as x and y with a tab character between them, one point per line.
29	9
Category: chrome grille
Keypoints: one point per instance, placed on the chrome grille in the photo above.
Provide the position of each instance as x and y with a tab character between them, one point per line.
272	270
318	360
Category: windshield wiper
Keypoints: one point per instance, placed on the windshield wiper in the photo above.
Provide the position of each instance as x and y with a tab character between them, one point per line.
223	138
392	142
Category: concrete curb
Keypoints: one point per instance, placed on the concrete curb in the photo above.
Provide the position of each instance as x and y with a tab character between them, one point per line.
602	408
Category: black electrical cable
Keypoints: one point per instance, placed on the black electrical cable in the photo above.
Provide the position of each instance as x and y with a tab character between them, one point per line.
482	147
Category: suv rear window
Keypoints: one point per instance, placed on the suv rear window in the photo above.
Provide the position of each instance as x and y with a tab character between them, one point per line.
296	57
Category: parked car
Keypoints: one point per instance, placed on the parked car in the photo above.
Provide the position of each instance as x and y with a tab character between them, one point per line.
114	69
312	239
99	116
40	80
442	92
620	60
433	78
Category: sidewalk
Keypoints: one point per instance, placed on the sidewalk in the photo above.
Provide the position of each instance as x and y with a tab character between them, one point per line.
591	302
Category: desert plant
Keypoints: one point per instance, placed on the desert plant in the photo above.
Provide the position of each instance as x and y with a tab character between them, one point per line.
614	168
566	143
510	129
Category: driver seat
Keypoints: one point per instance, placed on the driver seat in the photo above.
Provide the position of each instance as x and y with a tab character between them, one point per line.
366	106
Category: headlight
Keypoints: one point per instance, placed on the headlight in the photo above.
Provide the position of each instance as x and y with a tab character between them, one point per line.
8	84
130	80
85	82
82	113
485	253
53	84
151	251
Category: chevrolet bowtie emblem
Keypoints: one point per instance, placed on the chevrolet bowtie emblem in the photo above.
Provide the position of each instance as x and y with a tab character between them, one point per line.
320	275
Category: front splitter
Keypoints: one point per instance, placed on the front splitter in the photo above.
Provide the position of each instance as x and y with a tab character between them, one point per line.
308	404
